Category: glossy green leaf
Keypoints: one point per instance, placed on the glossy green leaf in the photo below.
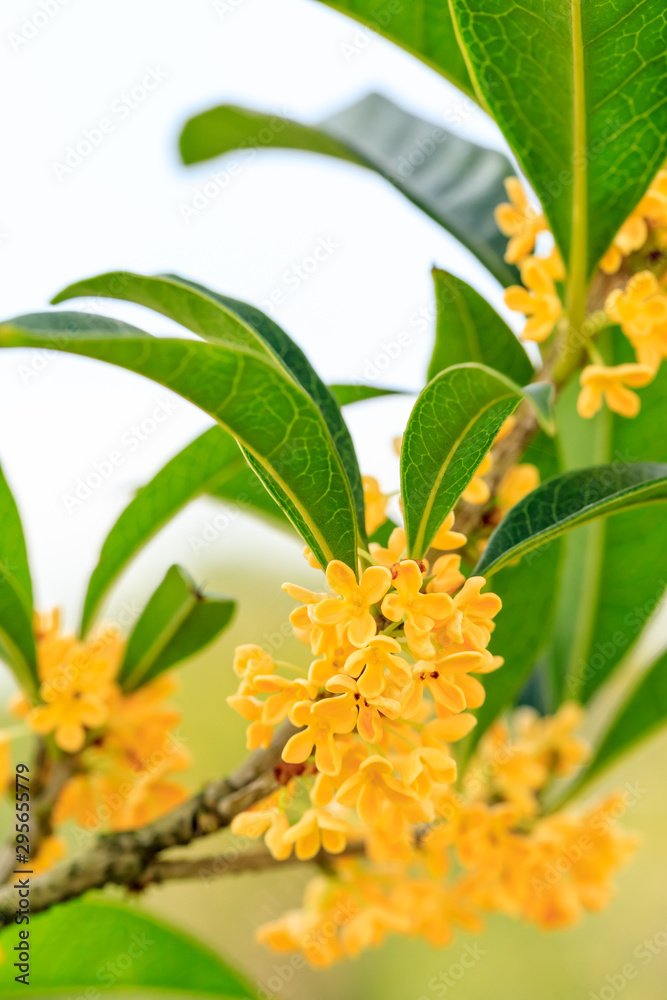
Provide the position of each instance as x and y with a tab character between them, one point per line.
346	394
525	623
211	464
100	947
578	89
469	329
567	501
631	577
177	622
237	325
641	715
425	29
451	428
17	641
268	412
456	182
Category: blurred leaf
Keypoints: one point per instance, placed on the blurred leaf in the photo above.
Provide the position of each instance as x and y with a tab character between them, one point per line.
271	416
348	394
644	711
17	640
456	182
451	428
633	546
469	329
578	91
176	623
237	325
424	29
569	500
211	464
99	946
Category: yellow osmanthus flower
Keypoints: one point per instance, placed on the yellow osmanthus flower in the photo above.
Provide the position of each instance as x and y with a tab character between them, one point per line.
353	608
614	385
446	575
322	722
518	482
283	695
370	710
518	220
446	538
394	551
77	684
317	828
51	851
651	210
368	665
472	614
372	787
272	824
538	300
641	310
477	491
420	610
375	503
434	677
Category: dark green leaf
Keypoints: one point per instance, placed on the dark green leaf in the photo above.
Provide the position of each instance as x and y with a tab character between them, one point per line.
237	325
451	428
268	412
17	641
642	714
99	946
212	464
425	29
569	500
456	182
577	88
176	623
469	329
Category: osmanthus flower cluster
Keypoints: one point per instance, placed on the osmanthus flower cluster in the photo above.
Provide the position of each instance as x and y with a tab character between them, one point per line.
396	658
120	748
639	306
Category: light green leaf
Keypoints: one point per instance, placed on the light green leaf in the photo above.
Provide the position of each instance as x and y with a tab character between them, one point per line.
567	501
451	428
456	182
100	946
578	89
176	623
211	464
348	394
268	412
641	715
469	329
234	324
17	641
425	29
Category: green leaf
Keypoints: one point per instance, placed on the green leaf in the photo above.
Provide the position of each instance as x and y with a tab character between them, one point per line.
17	640
100	946
567	501
211	464
176	623
577	88
631	575
469	329
348	394
644	712
266	410
425	29
451	428
456	182
234	324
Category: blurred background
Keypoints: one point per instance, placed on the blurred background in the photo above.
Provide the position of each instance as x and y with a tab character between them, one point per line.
125	206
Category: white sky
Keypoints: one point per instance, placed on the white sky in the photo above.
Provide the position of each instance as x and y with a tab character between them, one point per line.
120	209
